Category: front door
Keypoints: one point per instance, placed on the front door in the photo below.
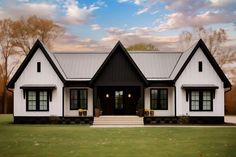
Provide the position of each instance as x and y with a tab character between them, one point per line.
119	102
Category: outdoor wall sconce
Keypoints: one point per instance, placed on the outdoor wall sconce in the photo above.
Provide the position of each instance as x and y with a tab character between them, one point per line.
107	95
129	95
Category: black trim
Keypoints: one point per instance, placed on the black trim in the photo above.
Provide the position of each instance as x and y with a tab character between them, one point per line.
200	66
53	120
211	59
78	97
175	100
37	88
119	44
27	59
161	83
200	87
77	84
63	104
37	101
192	120
166	89
200	100
38	66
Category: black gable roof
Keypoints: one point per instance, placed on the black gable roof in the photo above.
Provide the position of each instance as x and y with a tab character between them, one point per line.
27	59
126	54
211	59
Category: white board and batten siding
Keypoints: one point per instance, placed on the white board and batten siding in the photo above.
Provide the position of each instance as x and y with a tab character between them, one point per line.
171	102
74	113
191	75
31	76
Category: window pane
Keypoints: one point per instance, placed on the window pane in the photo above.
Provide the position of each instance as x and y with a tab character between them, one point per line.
195	105
118	99
195	95
74	100
31	105
154	93
43	100
159	99
206	105
31	95
31	100
206	95
83	98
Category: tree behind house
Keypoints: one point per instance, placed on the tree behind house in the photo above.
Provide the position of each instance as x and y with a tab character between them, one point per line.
16	39
142	47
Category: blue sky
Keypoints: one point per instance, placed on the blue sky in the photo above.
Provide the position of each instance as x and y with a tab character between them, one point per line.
96	25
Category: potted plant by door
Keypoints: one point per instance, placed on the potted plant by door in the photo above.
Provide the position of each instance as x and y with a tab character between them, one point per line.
84	112
146	112
97	108
139	108
151	112
80	111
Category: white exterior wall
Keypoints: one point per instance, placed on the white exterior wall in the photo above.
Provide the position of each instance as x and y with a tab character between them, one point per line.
171	102
191	75
31	76
74	113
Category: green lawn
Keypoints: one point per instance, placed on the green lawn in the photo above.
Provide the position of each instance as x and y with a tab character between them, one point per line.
77	140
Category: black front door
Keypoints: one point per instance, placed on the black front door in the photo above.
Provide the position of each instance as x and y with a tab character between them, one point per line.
119	100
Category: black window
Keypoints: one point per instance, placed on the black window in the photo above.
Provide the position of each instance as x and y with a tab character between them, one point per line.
201	100
200	66
37	100
78	99
38	66
159	99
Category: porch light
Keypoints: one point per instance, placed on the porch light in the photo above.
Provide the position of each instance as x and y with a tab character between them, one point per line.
107	95
129	95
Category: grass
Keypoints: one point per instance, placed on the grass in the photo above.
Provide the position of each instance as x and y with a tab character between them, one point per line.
81	140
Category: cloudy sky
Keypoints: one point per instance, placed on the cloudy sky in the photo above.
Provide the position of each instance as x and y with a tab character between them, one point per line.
96	25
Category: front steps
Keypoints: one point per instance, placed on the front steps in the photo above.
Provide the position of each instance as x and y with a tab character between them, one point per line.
118	121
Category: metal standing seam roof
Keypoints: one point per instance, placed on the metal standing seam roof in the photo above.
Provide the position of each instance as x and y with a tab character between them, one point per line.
83	66
182	60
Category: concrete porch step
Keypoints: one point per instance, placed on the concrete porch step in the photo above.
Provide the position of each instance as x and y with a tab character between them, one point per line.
118	120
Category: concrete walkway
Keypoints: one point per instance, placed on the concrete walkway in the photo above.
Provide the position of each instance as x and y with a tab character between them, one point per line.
230	119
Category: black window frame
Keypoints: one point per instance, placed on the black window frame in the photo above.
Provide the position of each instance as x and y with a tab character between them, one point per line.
37	100
78	99
200	100
158	107
200	66
38	67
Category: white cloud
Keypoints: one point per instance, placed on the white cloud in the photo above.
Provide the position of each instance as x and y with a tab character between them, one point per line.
137	2
15	10
78	15
142	11
189	13
95	27
140	35
73	43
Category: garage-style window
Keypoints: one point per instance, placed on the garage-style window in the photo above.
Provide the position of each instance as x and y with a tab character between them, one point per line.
37	100
78	99
201	100
159	99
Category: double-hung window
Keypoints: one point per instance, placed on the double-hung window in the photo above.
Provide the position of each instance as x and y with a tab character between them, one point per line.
78	99
201	100
159	99
37	100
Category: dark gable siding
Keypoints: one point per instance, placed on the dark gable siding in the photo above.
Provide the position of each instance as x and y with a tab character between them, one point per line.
118	71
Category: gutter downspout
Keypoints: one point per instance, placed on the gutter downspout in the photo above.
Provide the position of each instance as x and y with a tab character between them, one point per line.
230	88
175	99
63	102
